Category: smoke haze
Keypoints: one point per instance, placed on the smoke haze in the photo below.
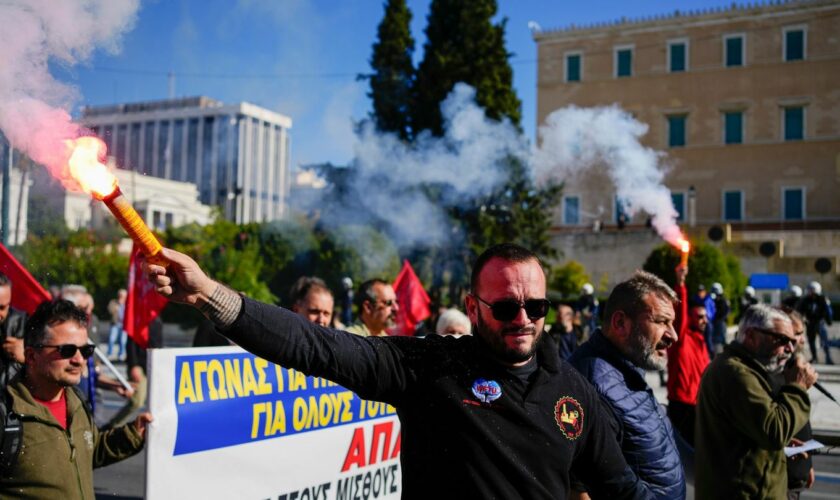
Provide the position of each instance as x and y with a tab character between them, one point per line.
467	162
33	105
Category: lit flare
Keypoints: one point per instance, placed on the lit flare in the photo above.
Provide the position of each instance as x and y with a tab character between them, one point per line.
684	247
94	177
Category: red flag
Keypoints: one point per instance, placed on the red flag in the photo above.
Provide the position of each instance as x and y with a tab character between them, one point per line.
414	302
143	303
27	293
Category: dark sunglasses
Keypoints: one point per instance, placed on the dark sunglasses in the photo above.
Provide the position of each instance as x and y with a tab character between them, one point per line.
508	309
67	351
779	339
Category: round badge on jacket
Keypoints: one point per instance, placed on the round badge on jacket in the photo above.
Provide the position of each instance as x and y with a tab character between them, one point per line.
486	391
568	413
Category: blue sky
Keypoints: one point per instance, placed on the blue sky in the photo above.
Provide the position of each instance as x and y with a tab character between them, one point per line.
301	57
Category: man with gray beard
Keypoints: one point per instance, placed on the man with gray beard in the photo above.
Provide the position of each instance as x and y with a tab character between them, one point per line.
638	328
743	424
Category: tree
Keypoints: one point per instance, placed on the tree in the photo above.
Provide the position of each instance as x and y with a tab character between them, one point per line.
393	71
518	212
76	257
568	279
228	252
463	45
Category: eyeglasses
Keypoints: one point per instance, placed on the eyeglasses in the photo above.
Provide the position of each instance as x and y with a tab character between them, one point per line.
779	339
67	351
389	302
508	309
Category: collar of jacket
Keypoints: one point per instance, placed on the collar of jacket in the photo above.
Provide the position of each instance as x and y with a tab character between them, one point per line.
602	345
737	350
25	405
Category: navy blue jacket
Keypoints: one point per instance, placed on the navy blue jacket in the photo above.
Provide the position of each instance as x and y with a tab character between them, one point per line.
642	427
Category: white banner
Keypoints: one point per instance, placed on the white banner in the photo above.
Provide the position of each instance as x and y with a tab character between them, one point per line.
231	425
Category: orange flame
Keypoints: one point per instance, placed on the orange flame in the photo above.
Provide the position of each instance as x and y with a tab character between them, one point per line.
94	177
86	167
684	247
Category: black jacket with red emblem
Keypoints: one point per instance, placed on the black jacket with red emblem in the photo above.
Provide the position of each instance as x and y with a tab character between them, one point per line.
524	444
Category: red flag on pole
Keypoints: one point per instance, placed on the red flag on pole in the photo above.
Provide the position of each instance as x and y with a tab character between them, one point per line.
414	302
27	293
143	303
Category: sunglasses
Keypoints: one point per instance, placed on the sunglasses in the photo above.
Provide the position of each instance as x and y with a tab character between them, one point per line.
779	339
508	309
67	351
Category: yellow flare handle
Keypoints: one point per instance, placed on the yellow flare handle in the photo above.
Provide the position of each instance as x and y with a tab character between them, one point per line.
133	224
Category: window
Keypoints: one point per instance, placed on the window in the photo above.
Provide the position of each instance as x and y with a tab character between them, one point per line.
794	40
794	123
676	131
571	210
733	205
677	56
678	200
733	127
733	50
623	61
621	215
573	67
793	203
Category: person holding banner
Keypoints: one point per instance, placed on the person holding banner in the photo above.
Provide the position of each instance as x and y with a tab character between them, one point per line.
61	444
499	414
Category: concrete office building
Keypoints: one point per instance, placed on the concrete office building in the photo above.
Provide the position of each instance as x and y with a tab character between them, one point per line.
744	100
237	155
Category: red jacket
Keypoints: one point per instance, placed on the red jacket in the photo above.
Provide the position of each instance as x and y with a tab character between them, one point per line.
687	358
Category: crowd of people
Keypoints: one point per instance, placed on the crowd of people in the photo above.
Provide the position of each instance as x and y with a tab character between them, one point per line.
504	406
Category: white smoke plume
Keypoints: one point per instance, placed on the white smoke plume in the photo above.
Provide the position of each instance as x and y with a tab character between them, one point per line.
463	164
34	106
574	141
467	162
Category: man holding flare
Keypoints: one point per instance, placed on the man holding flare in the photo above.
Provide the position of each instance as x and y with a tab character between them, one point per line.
499	414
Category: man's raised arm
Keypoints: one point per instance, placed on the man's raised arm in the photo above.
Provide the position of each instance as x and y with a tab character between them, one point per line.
371	367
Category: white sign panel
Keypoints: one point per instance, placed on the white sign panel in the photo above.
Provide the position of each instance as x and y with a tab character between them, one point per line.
231	425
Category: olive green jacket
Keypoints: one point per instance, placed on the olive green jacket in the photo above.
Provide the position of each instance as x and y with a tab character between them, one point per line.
742	427
58	463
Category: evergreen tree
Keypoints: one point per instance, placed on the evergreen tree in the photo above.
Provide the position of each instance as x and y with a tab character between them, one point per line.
463	45
390	83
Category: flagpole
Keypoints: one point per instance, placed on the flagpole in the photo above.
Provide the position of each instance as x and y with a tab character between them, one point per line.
113	369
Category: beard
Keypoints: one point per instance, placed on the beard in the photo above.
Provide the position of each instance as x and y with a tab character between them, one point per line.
773	364
642	353
495	341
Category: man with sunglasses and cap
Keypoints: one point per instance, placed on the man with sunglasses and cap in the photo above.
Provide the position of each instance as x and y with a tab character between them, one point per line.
498	413
638	329
743	420
377	308
61	444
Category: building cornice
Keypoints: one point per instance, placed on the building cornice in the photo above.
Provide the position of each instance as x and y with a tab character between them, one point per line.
685	19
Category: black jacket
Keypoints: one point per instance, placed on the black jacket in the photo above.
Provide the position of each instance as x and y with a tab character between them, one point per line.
13	327
522	445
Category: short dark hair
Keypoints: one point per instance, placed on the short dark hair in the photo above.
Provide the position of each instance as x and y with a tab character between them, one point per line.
304	286
509	252
4	280
629	296
365	292
51	313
